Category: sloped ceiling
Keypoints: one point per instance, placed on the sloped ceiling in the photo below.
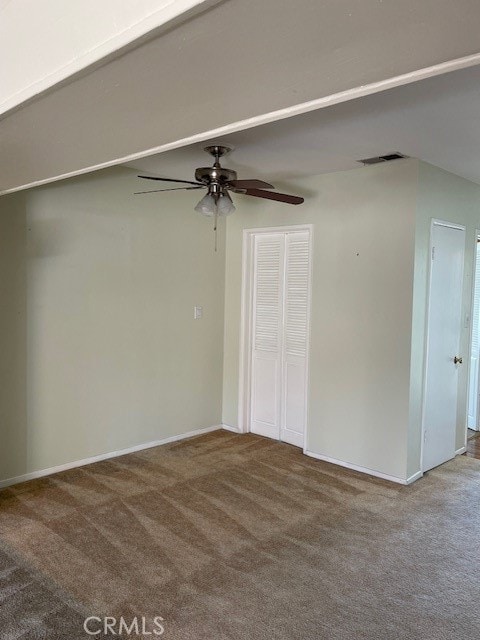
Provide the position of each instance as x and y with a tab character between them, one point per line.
436	120
238	60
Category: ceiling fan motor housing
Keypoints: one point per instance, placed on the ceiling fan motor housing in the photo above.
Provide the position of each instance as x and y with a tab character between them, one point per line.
215	175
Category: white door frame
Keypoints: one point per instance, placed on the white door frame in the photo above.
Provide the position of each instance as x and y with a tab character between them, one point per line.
470	339
246	328
451	225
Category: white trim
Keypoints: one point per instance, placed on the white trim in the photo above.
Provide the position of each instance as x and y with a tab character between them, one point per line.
309	336
461	451
104	456
164	17
370	472
287	228
245	318
228	427
445	223
452	225
470	340
273	116
414	477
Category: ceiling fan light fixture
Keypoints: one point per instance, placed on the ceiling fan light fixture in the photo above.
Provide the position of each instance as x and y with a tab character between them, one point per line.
219	180
225	206
218	204
207	206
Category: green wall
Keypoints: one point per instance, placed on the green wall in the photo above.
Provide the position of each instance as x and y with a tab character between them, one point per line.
444	196
100	351
362	289
13	335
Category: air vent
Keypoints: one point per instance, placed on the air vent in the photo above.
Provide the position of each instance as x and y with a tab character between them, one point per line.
386	158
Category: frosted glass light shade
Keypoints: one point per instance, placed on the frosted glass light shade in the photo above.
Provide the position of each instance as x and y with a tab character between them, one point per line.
225	205
222	206
207	206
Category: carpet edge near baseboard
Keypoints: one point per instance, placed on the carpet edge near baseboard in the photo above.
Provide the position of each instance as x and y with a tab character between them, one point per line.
41	473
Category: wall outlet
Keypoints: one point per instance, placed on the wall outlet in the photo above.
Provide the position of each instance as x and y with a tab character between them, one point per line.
197	312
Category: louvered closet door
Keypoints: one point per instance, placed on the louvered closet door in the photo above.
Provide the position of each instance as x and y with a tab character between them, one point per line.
266	361
295	338
279	335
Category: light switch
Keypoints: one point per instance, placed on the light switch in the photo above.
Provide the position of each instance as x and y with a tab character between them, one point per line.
197	313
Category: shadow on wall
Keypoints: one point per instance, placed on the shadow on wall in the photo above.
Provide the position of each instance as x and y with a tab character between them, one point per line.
13	333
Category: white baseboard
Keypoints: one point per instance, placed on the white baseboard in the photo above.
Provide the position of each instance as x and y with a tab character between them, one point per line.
104	456
370	472
416	476
228	427
419	474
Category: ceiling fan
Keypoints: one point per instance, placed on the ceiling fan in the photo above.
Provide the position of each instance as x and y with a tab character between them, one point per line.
219	181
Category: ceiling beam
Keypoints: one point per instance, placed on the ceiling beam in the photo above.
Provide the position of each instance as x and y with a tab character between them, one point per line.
237	65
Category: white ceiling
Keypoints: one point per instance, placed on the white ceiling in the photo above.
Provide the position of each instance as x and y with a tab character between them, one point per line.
436	120
65	39
238	60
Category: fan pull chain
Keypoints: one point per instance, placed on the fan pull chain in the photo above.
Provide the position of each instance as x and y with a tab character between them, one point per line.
215	229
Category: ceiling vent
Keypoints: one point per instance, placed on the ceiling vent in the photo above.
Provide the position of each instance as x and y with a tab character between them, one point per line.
386	158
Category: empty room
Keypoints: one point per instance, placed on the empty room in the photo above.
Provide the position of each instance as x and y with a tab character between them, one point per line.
250	411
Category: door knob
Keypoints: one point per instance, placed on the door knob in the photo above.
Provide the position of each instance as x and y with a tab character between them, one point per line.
458	360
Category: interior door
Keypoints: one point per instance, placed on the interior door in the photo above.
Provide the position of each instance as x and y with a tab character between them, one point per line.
297	271
267	323
444	326
279	325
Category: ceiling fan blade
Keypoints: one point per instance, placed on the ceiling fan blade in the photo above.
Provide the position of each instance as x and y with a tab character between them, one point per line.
170	180
137	193
271	195
250	184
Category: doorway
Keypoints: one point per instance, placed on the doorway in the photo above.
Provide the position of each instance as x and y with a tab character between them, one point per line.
473	387
443	340
275	332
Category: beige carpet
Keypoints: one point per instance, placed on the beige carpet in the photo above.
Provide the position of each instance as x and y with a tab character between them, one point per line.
239	537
